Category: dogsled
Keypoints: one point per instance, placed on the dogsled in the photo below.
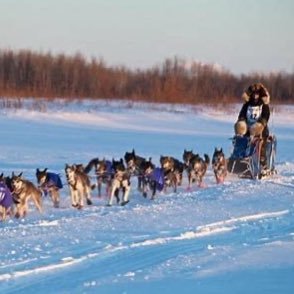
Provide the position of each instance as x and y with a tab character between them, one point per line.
245	160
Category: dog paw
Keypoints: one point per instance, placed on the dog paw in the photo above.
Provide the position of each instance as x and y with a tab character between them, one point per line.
202	185
124	203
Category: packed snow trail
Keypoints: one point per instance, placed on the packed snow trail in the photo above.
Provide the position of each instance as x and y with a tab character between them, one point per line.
228	237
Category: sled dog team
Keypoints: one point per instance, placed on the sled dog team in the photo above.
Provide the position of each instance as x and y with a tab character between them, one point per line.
16	192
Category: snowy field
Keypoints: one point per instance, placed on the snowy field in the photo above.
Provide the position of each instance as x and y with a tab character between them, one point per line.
232	238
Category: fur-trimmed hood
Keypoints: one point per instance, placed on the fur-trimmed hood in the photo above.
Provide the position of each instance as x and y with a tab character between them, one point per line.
258	89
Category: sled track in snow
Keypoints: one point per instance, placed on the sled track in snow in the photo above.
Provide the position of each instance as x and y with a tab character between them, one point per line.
287	185
201	232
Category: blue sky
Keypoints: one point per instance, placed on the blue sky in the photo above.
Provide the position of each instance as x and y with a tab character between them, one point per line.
243	36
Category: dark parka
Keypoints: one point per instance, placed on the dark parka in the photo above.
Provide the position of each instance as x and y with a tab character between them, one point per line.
256	109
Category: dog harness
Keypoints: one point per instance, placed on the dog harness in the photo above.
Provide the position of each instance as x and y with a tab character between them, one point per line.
5	196
53	180
157	175
108	169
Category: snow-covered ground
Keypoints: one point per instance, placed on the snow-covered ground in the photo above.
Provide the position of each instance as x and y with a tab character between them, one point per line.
232	238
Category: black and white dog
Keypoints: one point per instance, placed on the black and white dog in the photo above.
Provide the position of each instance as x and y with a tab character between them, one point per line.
196	169
135	166
173	171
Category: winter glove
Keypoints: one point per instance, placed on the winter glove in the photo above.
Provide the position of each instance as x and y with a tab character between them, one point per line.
256	129
240	128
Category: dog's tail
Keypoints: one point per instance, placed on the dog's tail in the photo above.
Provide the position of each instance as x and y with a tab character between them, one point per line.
90	165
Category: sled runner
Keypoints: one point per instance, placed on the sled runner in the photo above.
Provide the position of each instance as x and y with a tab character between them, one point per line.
245	160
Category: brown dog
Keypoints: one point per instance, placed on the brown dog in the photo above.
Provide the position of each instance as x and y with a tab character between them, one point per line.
23	191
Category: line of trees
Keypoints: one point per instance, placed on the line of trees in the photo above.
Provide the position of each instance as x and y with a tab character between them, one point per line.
29	74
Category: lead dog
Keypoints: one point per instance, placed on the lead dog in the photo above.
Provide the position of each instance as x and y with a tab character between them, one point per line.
79	185
49	183
24	190
219	165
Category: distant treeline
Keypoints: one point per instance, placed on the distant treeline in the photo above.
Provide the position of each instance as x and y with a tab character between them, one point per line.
30	74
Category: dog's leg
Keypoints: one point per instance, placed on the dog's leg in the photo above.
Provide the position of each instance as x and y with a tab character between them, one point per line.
201	183
166	184
3	213
99	183
116	194
115	186
139	187
127	187
37	196
25	207
12	210
81	193
145	187
175	182
55	197
52	196
88	195
19	207
78	200
180	179
22	207
16	214
153	187
108	187
189	180
73	197
57	202
216	176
